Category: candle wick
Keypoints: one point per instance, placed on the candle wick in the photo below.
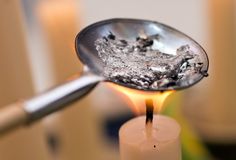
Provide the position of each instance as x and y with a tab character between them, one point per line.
149	110
149	117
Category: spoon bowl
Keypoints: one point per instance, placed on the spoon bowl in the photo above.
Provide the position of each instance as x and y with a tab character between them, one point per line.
169	39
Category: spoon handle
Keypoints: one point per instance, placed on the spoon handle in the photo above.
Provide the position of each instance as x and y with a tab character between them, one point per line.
12	116
26	112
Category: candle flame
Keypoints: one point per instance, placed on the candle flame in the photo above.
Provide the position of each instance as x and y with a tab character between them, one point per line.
136	98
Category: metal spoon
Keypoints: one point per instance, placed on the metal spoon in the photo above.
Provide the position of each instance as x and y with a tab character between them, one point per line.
169	39
41	105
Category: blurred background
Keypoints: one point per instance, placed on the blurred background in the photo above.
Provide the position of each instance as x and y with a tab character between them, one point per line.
37	52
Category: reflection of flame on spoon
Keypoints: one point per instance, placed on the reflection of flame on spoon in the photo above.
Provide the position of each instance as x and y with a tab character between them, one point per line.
136	99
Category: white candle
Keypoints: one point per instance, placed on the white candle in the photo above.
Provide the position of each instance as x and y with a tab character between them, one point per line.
163	143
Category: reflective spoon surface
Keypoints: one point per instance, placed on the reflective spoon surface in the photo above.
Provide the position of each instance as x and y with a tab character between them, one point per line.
28	111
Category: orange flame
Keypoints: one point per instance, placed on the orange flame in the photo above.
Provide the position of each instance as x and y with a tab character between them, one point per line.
136	98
